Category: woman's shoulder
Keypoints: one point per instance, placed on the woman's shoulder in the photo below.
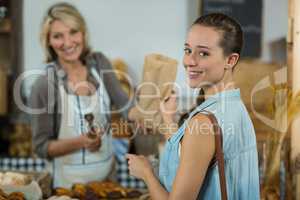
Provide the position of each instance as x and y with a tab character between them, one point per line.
204	109
97	56
199	134
39	90
99	61
198	125
44	77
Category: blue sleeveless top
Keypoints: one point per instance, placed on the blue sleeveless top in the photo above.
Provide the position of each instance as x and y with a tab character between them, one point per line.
239	146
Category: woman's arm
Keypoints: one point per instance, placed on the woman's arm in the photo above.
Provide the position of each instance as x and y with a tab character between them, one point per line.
196	153
44	140
198	148
63	146
66	146
41	117
140	167
156	190
113	86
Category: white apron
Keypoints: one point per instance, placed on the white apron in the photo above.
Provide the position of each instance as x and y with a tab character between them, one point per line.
83	166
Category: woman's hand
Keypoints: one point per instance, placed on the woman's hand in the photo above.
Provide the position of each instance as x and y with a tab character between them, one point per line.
168	107
139	166
91	144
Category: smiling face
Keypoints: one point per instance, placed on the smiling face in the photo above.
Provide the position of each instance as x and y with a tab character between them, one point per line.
204	60
66	42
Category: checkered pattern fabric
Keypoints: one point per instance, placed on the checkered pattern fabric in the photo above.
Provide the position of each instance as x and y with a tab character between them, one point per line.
123	176
31	164
22	164
121	147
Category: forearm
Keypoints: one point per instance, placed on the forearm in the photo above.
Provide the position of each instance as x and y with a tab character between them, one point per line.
156	190
64	146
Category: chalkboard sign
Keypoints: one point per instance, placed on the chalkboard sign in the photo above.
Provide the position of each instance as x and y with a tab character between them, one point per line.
248	13
4	8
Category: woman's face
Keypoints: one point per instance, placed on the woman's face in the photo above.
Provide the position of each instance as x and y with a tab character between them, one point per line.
66	42
203	59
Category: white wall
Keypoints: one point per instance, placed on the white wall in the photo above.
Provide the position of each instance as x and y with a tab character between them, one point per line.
275	24
130	29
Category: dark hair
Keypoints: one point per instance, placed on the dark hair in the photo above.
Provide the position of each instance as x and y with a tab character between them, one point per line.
231	42
200	99
232	33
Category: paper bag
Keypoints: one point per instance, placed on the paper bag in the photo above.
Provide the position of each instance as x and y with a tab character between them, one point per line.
159	74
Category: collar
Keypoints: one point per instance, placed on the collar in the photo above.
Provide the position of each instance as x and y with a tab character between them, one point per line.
62	75
220	96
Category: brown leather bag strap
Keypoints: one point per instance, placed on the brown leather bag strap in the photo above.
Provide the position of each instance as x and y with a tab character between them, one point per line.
219	154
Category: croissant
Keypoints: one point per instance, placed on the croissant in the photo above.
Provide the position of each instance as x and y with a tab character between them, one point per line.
59	191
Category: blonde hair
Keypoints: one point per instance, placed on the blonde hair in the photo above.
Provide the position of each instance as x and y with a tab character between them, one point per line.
69	15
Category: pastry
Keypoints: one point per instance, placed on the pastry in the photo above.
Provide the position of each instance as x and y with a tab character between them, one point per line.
114	194
3	198
90	195
3	194
16	196
12	178
132	193
61	198
62	191
79	190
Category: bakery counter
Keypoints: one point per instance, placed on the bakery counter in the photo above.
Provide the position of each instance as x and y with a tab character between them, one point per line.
37	186
29	176
97	190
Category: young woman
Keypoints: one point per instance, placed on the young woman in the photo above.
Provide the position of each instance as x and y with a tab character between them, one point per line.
212	50
77	86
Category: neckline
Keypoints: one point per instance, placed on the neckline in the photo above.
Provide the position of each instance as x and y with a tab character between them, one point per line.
62	76
227	94
220	96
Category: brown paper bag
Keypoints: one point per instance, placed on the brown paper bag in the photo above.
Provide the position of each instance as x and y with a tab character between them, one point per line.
159	75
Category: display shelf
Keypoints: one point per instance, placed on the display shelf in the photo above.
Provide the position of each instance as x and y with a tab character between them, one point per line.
5	26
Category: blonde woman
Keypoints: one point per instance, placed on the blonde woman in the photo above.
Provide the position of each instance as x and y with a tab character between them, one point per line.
77	84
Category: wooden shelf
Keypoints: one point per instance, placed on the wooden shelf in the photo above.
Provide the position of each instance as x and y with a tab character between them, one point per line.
5	26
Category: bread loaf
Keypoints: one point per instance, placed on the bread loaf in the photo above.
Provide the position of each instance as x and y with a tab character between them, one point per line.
15	179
